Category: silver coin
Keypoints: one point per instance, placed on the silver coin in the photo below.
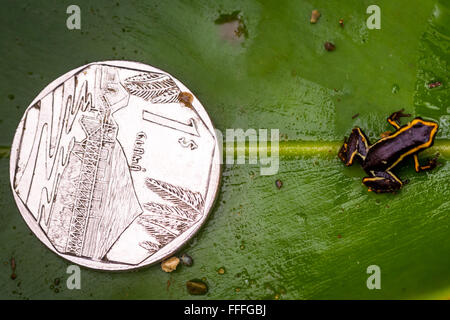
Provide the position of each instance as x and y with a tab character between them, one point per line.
115	165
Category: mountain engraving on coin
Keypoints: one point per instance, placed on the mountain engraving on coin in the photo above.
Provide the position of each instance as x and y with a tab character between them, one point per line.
110	170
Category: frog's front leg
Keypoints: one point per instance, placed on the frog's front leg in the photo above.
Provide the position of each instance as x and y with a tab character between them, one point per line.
356	145
432	163
382	182
394	118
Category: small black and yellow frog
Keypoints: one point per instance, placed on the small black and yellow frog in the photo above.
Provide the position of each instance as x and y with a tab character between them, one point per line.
380	158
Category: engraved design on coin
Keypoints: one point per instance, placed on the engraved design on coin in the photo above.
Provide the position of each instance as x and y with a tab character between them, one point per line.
97	170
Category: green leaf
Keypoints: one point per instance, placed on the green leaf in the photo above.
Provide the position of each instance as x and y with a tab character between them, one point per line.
315	237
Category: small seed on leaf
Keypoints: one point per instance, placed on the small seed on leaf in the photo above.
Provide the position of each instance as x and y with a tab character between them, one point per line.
196	287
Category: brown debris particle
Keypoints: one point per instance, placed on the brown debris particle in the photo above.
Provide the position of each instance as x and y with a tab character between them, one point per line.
434	84
186	98
170	264
221	270
278	183
196	287
341	22
355	116
315	15
13	268
329	46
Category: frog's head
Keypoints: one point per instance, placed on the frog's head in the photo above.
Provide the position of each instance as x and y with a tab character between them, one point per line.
424	131
342	154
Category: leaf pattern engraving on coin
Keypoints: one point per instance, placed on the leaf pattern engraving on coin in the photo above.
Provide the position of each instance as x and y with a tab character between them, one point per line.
184	198
154	87
165	222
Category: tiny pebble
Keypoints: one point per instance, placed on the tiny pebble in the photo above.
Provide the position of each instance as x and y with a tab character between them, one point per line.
329	46
341	22
196	287
186	260
170	264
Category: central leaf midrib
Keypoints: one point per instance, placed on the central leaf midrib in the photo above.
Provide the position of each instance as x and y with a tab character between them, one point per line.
295	148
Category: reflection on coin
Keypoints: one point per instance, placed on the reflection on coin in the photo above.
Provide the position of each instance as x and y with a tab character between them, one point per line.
112	167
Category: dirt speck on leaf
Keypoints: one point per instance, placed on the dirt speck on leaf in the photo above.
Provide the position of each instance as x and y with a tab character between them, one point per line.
13	268
329	46
434	85
315	15
278	184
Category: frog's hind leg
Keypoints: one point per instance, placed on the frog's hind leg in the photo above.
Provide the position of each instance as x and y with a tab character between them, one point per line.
394	118
432	163
356	145
382	182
